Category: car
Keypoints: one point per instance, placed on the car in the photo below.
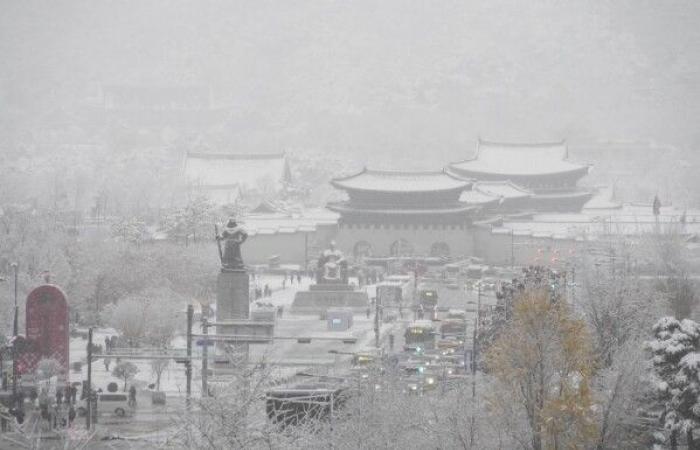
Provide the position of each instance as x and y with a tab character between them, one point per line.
115	403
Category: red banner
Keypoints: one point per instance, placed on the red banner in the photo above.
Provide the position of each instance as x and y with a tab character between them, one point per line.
47	329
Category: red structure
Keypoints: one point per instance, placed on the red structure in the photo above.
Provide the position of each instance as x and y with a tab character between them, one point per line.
47	329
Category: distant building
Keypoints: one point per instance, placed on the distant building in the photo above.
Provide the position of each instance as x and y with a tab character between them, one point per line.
501	197
224	177
543	169
403	213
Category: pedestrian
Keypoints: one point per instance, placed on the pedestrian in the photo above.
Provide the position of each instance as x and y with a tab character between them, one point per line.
284	282
108	344
268	292
73	394
420	312
368	311
71	415
132	396
113	342
391	341
59	396
298	277
107	362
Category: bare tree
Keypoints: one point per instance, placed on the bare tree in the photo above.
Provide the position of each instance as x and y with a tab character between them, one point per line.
125	370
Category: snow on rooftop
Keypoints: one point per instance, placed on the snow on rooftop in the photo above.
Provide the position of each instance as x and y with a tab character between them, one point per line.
603	199
502	189
474	197
395	181
519	159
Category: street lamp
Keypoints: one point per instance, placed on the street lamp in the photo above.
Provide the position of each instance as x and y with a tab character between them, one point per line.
15	267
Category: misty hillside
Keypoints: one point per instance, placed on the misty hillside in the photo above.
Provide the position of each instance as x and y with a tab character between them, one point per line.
390	76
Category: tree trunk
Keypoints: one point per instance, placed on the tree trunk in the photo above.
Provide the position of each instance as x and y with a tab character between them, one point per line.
692	443
674	440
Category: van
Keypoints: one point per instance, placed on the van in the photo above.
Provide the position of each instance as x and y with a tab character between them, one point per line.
117	404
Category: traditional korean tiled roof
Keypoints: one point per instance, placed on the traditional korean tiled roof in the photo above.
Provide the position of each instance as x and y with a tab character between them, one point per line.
505	159
400	182
501	189
247	171
474	197
345	208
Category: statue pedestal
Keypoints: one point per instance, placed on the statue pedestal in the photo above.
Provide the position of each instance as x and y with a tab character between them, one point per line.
232	303
322	297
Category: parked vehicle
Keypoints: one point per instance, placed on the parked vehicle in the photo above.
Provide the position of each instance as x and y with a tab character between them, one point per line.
117	404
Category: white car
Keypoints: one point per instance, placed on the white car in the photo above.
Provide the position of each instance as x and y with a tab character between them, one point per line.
115	403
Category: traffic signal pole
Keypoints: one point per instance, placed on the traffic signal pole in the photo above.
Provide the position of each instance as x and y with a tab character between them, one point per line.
188	363
205	358
88	416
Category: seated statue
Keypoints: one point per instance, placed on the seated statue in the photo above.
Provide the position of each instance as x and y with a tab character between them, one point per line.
332	266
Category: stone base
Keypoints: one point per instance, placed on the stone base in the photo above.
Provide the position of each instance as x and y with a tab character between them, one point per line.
232	295
232	303
318	301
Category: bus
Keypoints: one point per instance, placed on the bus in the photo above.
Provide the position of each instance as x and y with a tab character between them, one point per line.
419	335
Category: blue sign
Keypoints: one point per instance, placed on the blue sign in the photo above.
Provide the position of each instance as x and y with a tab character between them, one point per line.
203	342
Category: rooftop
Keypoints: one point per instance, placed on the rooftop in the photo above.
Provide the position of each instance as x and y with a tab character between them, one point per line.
502	189
400	182
509	159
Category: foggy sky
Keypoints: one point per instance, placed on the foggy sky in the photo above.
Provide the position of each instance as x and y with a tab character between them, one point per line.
367	77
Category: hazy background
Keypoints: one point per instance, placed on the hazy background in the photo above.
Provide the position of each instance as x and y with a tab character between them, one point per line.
391	82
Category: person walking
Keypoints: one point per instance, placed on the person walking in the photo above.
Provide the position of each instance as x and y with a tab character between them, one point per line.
391	341
299	278
107	362
132	396
368	311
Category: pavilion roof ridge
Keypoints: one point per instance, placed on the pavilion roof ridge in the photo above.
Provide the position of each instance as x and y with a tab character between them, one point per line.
401	181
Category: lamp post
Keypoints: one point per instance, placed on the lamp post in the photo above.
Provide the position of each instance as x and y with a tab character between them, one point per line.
15	399
15	267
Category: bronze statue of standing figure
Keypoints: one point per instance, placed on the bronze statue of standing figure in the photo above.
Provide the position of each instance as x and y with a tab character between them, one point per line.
233	236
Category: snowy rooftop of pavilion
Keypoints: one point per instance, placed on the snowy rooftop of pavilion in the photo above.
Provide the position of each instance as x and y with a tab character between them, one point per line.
501	189
400	181
509	159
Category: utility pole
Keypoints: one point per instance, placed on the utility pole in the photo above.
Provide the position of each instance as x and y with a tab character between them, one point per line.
478	307
205	358
376	318
188	363
15	324
15	331
88	416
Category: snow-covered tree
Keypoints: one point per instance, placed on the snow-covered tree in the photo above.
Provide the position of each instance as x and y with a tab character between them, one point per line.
676	364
